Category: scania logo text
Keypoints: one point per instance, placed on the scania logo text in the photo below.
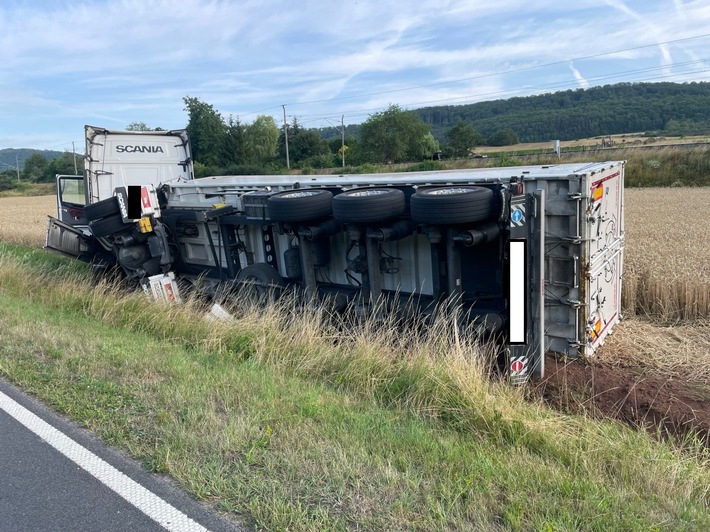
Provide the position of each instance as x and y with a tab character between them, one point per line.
120	148
122	205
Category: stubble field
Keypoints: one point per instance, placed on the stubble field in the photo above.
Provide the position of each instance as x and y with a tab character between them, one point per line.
655	367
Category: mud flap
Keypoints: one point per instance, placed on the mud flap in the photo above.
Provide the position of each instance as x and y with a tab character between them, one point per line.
69	240
526	288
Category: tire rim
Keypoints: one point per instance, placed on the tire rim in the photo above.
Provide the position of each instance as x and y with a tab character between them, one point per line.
300	194
449	190
363	193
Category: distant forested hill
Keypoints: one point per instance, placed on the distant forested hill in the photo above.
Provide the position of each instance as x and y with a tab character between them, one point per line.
567	115
9	157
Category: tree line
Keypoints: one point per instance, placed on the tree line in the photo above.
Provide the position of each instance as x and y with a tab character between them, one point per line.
40	167
392	136
656	108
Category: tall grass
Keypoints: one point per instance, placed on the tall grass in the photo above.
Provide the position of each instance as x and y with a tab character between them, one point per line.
440	372
29	189
670	166
304	464
418	369
667	167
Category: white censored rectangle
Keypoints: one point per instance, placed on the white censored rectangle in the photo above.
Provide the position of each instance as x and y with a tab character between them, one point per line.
516	292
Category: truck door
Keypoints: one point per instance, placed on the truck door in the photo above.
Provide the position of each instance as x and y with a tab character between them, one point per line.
68	233
71	198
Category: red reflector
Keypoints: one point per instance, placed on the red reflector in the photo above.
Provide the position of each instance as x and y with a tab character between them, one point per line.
145	198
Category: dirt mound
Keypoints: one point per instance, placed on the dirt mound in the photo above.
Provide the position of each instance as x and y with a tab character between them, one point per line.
637	396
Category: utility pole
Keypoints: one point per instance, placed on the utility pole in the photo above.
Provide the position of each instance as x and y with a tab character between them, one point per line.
17	167
288	164
73	150
342	137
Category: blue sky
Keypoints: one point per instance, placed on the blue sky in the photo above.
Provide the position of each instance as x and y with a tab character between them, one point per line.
108	63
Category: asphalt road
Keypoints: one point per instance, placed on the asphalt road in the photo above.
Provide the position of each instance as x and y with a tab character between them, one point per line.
55	476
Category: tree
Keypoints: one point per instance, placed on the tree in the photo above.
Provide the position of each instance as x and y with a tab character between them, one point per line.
353	150
207	132
303	144
463	138
7	180
137	126
504	137
35	166
393	136
261	139
428	146
141	126
63	165
234	143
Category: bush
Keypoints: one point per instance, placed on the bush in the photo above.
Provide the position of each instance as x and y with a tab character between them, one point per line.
365	169
426	166
7	182
247	169
507	160
325	160
504	137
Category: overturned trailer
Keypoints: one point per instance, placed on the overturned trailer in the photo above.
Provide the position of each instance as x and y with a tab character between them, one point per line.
531	254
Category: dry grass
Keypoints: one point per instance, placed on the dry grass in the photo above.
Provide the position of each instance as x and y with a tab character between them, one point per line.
680	351
620	141
23	220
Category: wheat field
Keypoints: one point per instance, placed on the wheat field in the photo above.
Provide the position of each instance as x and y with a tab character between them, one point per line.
667	253
23	219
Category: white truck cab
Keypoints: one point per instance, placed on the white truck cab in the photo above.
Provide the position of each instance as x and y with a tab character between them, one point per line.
133	158
130	164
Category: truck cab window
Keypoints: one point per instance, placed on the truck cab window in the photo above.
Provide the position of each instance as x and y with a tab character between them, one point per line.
71	190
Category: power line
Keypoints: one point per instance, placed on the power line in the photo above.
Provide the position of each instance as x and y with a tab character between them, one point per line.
363	112
509	71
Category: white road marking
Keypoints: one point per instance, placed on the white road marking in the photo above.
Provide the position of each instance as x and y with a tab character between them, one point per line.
146	501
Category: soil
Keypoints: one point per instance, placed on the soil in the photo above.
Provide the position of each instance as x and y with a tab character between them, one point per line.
666	406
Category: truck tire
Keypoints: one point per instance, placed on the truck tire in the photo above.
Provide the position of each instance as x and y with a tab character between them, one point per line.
368	205
452	205
102	209
260	282
301	205
107	226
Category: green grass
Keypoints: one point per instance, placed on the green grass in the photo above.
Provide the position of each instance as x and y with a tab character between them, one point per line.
286	422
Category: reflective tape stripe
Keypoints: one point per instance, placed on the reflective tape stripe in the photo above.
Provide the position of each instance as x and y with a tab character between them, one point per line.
146	501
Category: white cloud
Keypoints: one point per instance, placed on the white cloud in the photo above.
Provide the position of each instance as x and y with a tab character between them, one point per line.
583	83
